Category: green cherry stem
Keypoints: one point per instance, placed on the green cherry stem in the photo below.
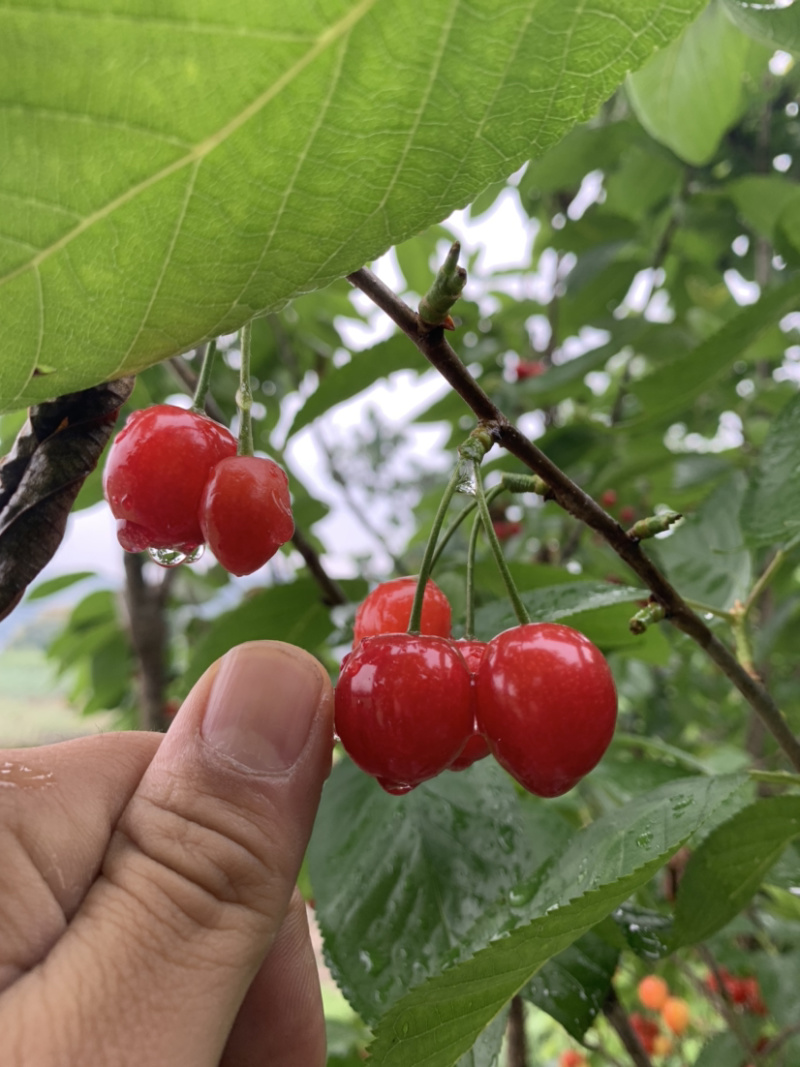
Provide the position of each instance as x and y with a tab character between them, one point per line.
244	396
427	560
462	515
519	608
204	379
469	613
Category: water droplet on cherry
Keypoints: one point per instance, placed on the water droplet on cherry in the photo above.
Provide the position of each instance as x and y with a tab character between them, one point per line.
173	557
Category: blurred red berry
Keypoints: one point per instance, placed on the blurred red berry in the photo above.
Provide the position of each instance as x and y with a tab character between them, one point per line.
627	515
505	529
609	498
529	368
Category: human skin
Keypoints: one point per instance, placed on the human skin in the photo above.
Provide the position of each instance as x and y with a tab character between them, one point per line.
148	914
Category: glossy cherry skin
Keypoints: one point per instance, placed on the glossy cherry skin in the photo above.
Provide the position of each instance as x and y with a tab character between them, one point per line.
387	610
155	473
403	708
547	705
246	512
476	747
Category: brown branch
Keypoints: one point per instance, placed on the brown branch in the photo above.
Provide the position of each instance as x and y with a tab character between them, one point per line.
433	345
517	1040
331	591
147	622
618	1018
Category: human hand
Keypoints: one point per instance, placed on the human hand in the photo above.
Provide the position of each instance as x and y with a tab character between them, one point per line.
147	906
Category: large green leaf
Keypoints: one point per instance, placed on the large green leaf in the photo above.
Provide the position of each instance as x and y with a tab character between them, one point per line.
399	881
777	26
771	506
183	166
551	603
602	865
728	867
292	612
364	368
674	384
573	986
705	557
690	93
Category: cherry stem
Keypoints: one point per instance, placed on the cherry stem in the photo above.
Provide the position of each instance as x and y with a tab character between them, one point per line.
244	396
456	479
469	622
513	595
454	525
204	379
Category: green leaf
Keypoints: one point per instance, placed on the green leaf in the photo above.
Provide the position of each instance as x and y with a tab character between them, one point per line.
690	93
55	585
705	557
699	368
771	507
729	866
773	25
292	613
486	1050
364	368
573	985
551	603
173	175
599	869
762	198
398	882
723	1050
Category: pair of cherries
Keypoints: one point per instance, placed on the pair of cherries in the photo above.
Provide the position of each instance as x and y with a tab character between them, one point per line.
174	482
540	697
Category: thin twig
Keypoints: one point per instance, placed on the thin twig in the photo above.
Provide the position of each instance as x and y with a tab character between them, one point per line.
618	1018
517	1040
763	580
433	345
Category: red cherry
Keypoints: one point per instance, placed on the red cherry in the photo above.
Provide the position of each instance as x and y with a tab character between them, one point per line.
505	529
547	705
608	498
155	474
627	515
387	610
245	512
646	1030
529	368
570	1058
402	707
476	747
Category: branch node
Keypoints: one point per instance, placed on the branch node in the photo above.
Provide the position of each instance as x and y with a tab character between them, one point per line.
654	524
434	308
645	618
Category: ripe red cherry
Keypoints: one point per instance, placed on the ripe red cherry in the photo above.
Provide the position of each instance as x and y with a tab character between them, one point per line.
529	368
155	474
245	512
387	610
476	747
547	705
646	1030
402	708
505	529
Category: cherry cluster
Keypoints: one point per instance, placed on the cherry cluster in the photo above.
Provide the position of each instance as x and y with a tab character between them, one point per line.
654	994
539	697
174	482
743	992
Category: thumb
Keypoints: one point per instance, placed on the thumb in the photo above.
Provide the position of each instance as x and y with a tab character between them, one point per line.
201	867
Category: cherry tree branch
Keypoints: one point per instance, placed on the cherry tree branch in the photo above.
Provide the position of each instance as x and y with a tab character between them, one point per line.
434	346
